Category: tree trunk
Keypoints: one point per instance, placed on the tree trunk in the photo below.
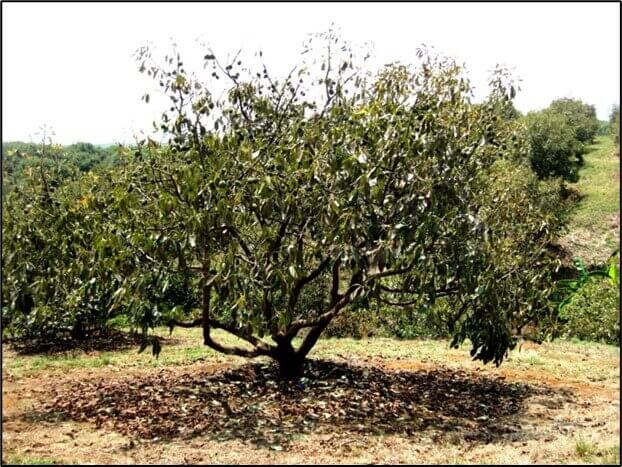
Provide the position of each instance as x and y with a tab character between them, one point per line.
291	364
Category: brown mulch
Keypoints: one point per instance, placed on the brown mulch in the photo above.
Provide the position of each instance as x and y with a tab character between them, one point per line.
252	403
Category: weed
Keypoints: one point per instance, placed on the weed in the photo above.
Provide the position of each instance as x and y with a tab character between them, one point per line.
584	448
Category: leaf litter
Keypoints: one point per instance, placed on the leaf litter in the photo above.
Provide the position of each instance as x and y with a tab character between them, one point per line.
254	404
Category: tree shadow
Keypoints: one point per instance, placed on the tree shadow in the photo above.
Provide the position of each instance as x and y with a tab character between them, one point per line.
105	342
251	403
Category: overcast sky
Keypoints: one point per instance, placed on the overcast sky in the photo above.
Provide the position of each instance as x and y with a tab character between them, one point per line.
70	66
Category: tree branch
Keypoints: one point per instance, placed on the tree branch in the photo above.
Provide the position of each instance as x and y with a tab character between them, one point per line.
334	290
260	347
324	317
302	282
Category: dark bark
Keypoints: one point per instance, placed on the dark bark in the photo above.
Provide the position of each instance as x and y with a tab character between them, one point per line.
291	363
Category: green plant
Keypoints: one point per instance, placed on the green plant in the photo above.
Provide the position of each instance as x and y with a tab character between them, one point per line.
614	126
567	288
584	448
555	151
288	201
580	116
590	309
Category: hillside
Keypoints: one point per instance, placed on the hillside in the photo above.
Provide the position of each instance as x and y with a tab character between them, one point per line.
594	230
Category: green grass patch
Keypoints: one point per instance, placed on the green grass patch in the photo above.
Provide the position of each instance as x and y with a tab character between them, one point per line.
592	235
584	448
611	456
31	460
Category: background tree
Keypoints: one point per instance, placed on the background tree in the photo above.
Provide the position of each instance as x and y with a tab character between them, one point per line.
554	150
53	221
580	116
614	126
19	157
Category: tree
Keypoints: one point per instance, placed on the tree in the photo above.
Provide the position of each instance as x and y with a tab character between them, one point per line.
284	202
580	116
372	186
614	125
554	150
55	282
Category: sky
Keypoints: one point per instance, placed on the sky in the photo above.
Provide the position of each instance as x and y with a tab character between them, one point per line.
70	67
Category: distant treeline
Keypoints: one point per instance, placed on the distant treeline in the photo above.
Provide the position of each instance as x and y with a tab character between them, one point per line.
18	158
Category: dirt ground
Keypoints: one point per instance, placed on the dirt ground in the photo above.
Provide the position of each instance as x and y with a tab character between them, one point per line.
554	403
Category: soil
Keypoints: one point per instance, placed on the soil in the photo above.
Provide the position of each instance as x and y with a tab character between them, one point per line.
370	410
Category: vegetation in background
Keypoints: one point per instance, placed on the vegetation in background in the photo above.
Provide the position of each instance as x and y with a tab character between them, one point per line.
555	152
593	313
559	135
54	221
588	304
614	127
594	224
580	116
19	159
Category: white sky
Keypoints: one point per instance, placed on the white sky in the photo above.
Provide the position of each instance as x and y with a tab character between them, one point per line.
70	66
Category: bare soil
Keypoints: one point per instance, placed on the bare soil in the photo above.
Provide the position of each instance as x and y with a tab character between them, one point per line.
362	409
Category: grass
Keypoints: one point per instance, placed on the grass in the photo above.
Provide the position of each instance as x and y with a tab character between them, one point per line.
188	350
584	448
590	452
611	456
30	460
594	227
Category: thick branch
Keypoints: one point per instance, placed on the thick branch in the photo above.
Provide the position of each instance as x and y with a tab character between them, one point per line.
303	281
323	321
324	317
260	347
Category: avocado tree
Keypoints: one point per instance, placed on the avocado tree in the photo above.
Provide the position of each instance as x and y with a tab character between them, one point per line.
335	183
580	116
55	283
554	149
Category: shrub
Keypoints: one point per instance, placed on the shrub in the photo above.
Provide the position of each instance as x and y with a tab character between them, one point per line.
593	313
358	324
555	151
392	321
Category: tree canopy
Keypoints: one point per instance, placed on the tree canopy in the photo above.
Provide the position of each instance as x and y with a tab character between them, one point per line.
272	208
580	116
